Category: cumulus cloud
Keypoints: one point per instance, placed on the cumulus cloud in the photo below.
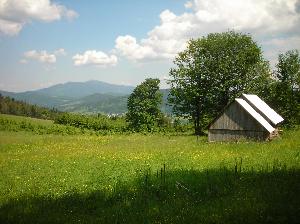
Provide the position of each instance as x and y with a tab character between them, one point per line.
160	44
14	14
93	57
260	18
59	52
128	47
251	15
41	56
10	27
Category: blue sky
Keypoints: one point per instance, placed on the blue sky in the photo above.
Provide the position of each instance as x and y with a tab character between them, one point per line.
48	42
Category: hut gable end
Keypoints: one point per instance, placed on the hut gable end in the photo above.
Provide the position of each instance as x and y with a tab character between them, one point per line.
236	118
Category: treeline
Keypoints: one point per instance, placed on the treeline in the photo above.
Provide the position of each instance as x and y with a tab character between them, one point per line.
118	124
93	122
11	106
99	124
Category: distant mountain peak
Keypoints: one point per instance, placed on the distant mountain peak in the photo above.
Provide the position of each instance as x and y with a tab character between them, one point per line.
82	89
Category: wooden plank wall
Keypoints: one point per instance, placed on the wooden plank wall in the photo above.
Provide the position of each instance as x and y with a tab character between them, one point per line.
234	124
235	135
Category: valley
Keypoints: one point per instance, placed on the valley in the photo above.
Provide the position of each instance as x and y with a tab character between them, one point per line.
91	97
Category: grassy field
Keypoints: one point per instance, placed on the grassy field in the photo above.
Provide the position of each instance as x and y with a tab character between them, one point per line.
52	178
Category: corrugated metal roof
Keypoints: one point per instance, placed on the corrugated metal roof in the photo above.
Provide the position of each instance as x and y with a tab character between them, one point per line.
263	108
255	115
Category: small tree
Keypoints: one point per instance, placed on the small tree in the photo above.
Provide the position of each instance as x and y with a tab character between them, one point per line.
212	71
285	92
143	106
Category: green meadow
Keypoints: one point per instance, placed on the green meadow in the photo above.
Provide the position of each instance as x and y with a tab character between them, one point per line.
59	174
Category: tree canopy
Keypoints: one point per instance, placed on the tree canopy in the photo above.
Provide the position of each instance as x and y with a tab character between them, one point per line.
285	91
212	71
143	106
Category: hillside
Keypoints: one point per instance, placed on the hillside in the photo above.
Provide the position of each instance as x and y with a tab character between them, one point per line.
97	103
82	89
8	105
83	97
40	99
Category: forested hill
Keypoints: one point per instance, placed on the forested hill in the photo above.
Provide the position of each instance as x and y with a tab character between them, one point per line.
83	89
83	97
11	106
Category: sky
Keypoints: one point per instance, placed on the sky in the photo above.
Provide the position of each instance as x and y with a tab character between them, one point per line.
46	42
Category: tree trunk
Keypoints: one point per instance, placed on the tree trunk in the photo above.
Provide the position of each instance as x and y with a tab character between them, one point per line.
197	121
197	127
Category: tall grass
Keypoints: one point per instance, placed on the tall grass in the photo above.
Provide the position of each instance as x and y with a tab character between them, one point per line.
180	196
147	179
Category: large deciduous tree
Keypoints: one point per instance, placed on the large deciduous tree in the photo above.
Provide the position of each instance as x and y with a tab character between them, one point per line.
212	71
144	106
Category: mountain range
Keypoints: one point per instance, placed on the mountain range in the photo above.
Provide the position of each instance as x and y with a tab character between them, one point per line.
83	97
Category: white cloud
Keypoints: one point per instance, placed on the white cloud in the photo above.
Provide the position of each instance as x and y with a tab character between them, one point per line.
93	57
275	46
41	56
128	47
260	18
161	42
284	43
14	14
10	27
251	15
60	51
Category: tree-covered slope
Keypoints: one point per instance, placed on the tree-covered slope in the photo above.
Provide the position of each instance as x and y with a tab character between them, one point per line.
87	97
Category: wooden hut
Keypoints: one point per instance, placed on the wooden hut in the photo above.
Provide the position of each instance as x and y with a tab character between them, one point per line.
245	117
